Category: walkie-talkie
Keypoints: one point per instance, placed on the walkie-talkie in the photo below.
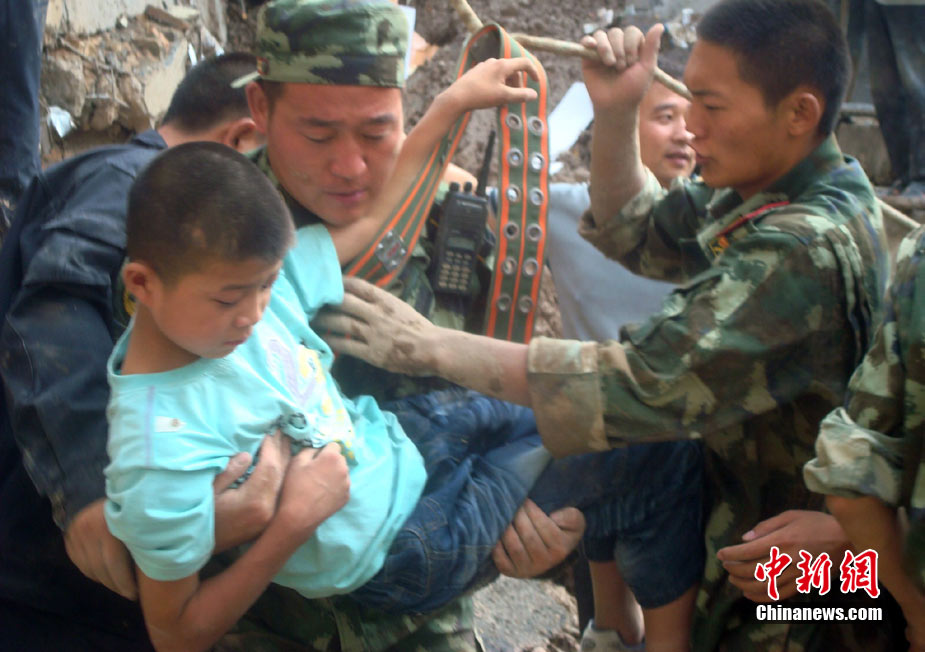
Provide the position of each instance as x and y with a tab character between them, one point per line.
460	232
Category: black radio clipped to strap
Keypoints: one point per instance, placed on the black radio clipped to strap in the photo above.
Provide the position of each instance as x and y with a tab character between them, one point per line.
461	232
459	238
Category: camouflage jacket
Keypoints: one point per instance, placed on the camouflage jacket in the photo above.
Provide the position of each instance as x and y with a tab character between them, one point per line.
873	445
778	298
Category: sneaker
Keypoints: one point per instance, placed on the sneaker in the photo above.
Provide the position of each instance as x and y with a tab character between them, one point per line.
606	640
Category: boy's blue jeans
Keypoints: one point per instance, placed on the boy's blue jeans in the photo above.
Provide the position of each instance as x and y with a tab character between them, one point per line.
484	458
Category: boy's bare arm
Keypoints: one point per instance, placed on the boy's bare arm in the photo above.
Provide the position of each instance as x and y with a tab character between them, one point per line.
490	83
188	615
240	516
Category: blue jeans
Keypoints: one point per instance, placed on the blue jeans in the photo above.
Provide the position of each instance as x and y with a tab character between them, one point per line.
484	458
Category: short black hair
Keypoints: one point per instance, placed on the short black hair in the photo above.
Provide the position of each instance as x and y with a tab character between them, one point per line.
205	97
273	90
782	44
203	202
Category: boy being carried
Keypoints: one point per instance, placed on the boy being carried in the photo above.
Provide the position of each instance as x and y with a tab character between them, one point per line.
213	361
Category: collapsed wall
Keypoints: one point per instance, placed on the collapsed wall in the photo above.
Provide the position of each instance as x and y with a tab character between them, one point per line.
110	66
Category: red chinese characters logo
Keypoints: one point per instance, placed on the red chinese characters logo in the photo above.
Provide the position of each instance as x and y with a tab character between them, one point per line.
771	571
814	573
857	572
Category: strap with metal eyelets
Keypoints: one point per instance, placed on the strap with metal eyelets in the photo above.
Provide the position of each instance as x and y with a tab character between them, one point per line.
523	171
523	164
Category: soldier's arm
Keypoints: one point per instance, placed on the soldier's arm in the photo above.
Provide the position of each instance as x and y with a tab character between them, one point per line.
669	381
871	524
617	84
863	449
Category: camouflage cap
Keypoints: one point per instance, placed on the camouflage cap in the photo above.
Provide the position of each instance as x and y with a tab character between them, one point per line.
348	42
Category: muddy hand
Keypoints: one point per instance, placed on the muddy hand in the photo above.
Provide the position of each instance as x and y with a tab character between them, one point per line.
379	328
626	68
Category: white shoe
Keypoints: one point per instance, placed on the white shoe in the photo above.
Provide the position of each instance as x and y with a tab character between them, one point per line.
606	640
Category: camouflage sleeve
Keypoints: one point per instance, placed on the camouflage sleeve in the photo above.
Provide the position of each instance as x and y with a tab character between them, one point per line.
644	235
863	448
751	333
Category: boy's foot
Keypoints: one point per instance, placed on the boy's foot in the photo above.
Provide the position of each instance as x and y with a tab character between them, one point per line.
606	640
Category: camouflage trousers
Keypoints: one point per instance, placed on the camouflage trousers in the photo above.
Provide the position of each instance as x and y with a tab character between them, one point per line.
284	621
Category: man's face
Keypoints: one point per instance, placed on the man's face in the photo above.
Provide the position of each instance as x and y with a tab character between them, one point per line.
740	142
210	312
664	140
334	147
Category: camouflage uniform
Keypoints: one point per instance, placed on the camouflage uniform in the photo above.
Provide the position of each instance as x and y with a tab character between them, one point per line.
873	446
777	302
349	42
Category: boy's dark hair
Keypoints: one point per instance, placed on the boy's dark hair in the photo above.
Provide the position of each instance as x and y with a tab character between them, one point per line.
205	97
203	202
781	44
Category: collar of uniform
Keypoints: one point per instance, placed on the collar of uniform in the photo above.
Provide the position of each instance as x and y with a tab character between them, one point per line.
301	216
727	206
822	160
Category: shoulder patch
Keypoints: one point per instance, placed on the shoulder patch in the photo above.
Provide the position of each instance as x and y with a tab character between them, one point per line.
721	240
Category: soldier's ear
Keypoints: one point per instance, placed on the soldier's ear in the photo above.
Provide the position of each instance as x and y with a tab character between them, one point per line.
804	108
259	105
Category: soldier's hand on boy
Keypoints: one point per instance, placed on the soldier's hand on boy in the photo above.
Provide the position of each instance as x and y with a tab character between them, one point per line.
317	484
536	542
97	553
626	68
380	328
242	513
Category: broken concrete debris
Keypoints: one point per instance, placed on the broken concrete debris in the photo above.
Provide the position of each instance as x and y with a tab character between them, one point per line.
114	81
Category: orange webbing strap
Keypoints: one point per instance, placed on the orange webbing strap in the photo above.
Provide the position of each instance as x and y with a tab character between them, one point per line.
523	188
396	239
523	166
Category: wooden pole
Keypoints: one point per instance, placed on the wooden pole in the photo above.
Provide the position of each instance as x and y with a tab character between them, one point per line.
569	49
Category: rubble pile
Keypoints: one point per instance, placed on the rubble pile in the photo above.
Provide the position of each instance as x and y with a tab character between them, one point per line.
102	87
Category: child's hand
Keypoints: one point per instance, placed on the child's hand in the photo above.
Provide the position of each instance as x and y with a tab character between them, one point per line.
493	82
316	485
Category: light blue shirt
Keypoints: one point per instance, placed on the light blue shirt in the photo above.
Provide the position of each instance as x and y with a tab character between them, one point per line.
172	432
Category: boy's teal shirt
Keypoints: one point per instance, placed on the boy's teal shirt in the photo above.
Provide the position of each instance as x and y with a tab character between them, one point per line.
172	432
